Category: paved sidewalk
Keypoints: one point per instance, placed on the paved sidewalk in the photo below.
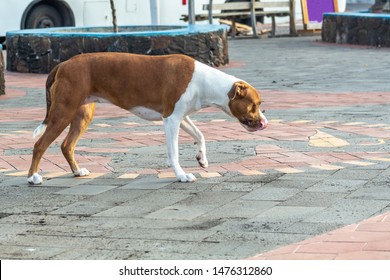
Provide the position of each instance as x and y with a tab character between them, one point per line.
309	181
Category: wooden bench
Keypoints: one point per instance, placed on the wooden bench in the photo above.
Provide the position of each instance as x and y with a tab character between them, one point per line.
2	64
252	9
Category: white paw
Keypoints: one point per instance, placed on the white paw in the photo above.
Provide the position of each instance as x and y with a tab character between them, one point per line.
81	172
186	178
202	160
35	179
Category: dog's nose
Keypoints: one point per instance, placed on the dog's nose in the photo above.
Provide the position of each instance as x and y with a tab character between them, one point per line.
263	120
264	123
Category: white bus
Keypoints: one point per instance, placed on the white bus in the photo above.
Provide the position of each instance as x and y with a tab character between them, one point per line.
26	14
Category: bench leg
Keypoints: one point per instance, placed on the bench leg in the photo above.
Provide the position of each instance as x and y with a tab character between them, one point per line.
253	19
273	31
2	64
234	28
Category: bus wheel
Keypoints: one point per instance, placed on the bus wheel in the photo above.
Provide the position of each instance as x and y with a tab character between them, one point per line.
43	16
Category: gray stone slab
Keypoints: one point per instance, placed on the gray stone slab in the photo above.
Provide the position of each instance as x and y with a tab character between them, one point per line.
287	213
86	190
65	182
262	238
362	174
146	204
162	234
348	211
241	209
210	198
13	182
65	230
296	180
37	219
83	208
180	212
148	183
195	205
129	223
99	254
60	241
372	192
337	185
268	192
235	187
313	199
29	252
13	229
117	196
313	228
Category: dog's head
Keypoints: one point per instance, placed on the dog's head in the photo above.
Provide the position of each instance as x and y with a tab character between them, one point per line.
244	104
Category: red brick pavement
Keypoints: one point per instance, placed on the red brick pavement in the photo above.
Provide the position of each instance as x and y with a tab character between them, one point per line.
267	157
367	240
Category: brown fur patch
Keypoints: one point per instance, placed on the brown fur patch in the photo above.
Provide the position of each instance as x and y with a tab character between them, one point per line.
128	80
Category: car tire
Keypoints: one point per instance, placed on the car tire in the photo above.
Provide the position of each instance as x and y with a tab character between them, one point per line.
43	16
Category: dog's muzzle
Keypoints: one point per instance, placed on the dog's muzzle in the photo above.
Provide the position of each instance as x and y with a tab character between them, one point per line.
253	125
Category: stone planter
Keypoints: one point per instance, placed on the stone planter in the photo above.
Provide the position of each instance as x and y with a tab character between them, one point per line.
39	50
357	28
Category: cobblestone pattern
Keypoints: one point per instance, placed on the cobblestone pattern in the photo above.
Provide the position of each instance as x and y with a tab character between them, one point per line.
323	163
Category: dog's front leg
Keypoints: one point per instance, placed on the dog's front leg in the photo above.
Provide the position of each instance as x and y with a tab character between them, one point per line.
172	125
188	126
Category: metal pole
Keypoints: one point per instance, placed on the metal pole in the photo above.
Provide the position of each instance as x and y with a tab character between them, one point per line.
155	11
2	64
191	12
211	11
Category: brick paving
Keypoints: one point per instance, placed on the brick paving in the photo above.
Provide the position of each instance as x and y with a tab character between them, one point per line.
367	240
322	164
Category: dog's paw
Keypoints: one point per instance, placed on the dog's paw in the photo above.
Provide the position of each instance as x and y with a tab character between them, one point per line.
186	178
202	160
81	172
35	179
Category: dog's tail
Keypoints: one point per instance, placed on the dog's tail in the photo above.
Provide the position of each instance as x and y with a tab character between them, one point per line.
49	82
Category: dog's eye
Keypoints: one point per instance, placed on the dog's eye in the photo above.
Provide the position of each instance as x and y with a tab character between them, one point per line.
254	108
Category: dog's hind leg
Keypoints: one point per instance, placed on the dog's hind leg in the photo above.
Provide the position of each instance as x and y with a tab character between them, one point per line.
53	128
188	126
78	126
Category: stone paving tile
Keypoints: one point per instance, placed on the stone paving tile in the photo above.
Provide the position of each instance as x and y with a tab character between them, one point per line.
352	210
148	183
28	253
86	190
337	185
288	213
271	193
195	205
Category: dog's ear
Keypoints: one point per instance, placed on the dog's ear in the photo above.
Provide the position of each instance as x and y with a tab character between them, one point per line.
238	90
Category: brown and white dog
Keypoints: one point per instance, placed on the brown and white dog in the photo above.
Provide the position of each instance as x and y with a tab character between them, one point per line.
152	87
